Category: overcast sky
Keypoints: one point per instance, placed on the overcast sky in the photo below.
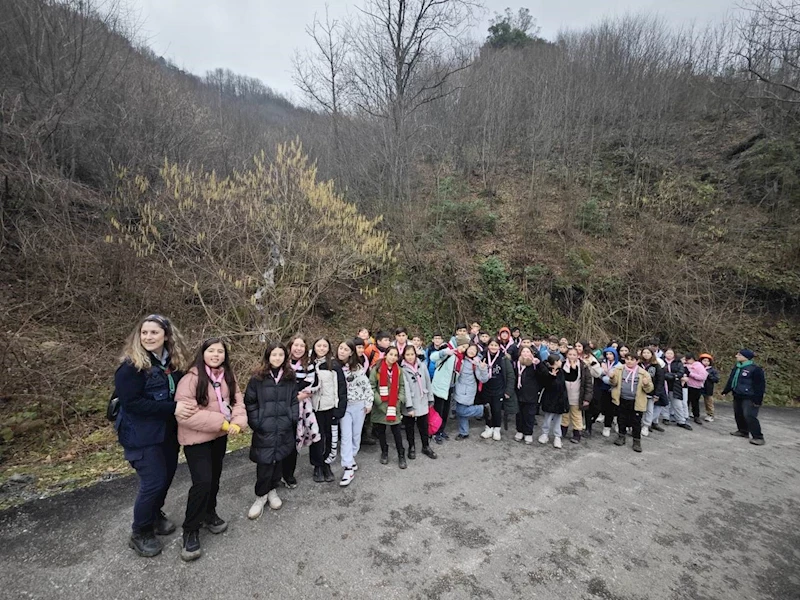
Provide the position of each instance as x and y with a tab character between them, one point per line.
258	37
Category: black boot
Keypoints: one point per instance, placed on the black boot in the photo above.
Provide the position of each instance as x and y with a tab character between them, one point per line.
412	453
191	546
327	473
319	477
145	543
620	441
564	430
637	445
162	525
385	456
576	437
401	459
428	451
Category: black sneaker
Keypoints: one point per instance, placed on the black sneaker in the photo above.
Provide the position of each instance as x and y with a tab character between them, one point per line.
740	434
214	524
439	438
445	436
384	457
657	427
162	525
461	436
145	544
698	420
289	482
685	426
191	545
412	453
319	477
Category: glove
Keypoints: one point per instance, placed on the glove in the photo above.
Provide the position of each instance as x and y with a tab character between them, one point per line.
225	426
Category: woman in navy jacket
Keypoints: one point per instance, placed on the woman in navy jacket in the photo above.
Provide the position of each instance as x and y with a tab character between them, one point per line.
153	361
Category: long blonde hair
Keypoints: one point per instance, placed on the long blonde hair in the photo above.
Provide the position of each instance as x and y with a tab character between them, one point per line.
134	352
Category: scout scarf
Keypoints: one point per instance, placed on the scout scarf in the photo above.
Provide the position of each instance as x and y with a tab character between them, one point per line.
629	376
387	395
216	383
520	369
739	367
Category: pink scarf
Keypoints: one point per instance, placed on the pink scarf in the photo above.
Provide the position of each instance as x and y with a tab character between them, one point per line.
520	369
216	382
630	377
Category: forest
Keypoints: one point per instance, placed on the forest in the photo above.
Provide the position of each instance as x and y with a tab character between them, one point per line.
632	179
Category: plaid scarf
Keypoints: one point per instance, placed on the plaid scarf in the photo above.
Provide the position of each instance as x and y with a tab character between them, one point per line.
387	395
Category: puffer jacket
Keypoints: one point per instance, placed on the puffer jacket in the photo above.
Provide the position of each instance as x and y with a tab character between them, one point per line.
418	389
206	424
467	382
554	396
528	386
272	414
657	375
673	372
442	379
696	375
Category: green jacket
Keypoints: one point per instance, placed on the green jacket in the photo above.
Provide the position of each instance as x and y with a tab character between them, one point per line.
378	414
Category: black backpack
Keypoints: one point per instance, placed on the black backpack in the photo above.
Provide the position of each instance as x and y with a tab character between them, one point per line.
112	410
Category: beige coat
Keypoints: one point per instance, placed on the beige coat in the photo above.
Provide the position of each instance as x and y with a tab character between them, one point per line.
645	387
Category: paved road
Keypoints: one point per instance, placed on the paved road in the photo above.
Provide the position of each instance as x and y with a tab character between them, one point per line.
698	515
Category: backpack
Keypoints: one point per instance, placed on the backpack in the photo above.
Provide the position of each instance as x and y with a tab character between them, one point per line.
112	410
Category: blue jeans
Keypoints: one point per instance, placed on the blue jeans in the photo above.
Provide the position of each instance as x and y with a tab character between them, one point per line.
746	414
464	413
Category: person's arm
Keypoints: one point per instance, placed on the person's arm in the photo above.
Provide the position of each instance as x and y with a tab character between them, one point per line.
511	379
647	381
481	372
613	377
373	380
129	384
251	402
713	375
759	386
341	407
438	356
587	381
294	406
238	412
728	385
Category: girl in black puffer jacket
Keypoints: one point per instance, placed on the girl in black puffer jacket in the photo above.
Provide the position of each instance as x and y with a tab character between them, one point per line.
272	413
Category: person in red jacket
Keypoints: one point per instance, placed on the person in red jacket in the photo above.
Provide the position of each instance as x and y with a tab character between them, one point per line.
210	387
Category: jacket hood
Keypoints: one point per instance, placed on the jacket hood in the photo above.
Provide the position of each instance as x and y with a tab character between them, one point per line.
613	351
502	329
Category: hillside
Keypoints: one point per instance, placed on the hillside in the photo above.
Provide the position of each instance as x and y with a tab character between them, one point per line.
583	187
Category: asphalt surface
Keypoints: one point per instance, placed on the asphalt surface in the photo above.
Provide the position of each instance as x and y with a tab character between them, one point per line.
698	515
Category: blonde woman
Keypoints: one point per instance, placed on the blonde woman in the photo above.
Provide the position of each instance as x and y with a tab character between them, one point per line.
153	360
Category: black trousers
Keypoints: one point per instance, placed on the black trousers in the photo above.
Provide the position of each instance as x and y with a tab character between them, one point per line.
495	404
442	406
379	429
628	417
526	418
422	426
155	465
288	466
694	400
608	408
205	465
319	450
268	477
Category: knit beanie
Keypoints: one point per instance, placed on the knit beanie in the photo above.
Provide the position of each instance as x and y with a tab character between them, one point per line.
748	354
462	340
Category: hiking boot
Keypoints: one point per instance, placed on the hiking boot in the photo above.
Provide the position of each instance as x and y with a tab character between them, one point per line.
401	459
637	445
685	426
496	434
412	453
146	544
620	441
289	482
327	473
645	430
657	427
487	432
319	477
257	508
428	451
528	439
275	503
214	524
698	420
757	441
384	457
740	434
606	431
347	477
557	443
576	437
162	525
191	546
518	436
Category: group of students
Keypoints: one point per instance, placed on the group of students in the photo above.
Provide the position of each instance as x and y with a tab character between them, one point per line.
331	399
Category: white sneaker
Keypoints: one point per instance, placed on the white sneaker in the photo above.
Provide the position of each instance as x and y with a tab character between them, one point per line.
355	467
709	419
600	418
645	430
487	432
496	434
347	477
257	508
557	442
518	436
543	438
528	439
606	431
274	502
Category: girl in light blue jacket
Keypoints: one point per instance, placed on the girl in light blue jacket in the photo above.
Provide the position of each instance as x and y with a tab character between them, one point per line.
471	372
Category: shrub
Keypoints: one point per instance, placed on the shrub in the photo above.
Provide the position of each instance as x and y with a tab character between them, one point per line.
592	219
